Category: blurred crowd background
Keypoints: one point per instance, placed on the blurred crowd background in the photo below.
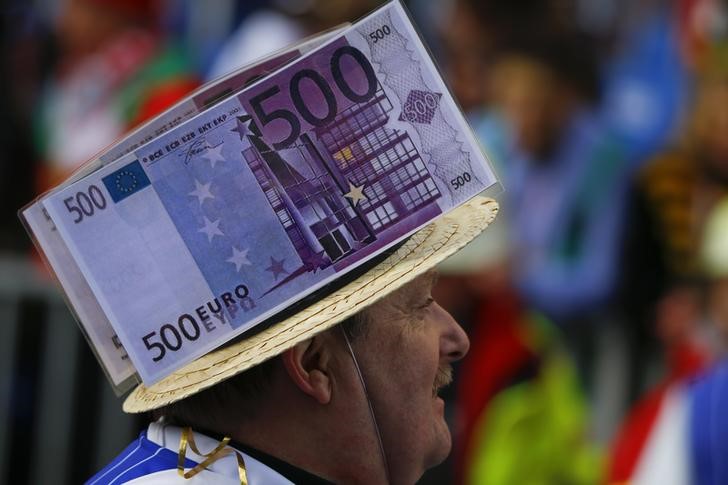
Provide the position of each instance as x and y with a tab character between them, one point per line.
597	305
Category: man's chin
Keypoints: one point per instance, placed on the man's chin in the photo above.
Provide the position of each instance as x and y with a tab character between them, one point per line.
443	444
437	452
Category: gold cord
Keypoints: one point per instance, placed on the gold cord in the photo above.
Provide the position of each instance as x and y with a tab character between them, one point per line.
220	451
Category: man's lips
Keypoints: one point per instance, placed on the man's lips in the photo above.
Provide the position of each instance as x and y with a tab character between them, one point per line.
440	405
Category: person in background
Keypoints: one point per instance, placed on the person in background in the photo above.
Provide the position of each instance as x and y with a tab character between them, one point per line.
688	351
114	70
530	90
467	48
672	201
676	190
565	174
686	440
475	32
708	421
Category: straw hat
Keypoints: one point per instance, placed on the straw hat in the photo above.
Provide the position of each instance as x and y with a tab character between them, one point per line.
422	251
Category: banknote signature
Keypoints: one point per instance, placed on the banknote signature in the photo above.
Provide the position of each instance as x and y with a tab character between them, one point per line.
197	147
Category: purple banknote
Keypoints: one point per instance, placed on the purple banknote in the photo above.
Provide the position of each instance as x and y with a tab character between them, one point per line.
285	187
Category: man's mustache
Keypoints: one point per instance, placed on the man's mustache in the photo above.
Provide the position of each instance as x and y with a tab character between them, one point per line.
442	379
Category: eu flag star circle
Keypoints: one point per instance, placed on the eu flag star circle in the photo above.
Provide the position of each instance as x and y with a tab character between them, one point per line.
126	181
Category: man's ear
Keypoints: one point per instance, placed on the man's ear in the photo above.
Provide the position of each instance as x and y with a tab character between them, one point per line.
307	365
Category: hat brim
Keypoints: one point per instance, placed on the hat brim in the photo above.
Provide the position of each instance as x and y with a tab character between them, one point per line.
422	251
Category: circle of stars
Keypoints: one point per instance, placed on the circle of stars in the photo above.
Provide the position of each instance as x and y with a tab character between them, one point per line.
124	176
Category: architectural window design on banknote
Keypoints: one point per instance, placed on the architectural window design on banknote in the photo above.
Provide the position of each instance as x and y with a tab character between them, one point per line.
341	185
402	72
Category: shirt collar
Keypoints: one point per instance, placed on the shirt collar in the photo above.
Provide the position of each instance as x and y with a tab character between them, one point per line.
297	475
169	436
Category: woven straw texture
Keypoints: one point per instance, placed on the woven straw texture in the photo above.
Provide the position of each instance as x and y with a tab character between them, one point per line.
425	249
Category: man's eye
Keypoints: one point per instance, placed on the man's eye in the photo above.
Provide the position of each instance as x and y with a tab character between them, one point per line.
429	302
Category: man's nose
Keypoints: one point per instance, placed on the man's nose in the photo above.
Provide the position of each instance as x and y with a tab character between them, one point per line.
454	342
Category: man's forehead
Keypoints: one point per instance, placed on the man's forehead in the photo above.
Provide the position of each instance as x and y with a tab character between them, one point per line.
420	286
404	299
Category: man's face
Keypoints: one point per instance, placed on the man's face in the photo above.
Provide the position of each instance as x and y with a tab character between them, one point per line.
405	357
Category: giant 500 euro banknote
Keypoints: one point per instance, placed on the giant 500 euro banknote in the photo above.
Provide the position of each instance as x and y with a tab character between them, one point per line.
94	323
243	210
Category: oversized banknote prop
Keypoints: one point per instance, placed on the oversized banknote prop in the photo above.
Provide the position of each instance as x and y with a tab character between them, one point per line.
234	215
94	323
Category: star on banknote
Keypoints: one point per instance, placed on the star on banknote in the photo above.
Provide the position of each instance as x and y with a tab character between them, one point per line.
356	193
211	229
214	154
244	125
202	192
276	267
239	258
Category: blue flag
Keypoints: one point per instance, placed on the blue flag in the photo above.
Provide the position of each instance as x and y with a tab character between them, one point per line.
126	181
